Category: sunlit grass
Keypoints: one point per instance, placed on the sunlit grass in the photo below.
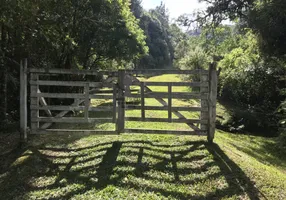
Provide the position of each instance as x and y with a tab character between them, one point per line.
139	167
144	167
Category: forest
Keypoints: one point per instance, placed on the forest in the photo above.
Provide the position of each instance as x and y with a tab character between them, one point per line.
245	39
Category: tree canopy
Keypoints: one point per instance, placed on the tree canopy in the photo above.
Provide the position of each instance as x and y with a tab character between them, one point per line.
65	34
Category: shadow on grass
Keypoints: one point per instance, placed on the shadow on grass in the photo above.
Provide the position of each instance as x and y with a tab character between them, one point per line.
191	170
262	149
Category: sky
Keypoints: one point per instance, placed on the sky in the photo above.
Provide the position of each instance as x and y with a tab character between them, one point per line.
175	7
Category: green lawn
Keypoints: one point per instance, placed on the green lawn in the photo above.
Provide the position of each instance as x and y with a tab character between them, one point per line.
144	166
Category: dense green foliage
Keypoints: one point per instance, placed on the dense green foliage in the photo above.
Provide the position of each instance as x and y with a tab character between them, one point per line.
250	56
85	34
64	34
161	36
247	78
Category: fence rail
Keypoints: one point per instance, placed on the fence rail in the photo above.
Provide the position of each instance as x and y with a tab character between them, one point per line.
116	94
190	84
70	83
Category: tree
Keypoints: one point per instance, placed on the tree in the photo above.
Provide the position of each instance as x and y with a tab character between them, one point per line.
265	18
155	24
65	34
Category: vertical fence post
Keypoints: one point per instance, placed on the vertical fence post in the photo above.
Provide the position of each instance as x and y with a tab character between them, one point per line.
35	103
170	102
23	100
204	102
86	101
120	125
114	110
142	90
212	100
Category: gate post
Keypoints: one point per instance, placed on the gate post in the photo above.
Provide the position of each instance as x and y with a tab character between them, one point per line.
212	100
204	102
23	100
120	125
34	89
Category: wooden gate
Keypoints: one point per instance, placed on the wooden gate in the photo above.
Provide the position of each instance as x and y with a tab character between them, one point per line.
75	106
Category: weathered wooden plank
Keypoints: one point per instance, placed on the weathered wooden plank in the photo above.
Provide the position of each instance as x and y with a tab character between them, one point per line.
86	101
142	90
71	96
71	120
120	125
98	91
190	84
98	96
212	101
70	83
80	132
72	71
170	102
114	103
73	108
204	102
23	100
59	95
173	132
164	103
174	95
63	113
44	103
166	120
194	109
166	71
34	101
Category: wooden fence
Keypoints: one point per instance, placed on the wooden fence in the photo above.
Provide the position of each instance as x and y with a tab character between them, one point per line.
116	90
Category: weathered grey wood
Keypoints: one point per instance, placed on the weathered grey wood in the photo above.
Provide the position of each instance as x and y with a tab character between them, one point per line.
86	101
194	109
120	125
44	103
23	100
98	91
34	102
114	109
70	83
166	71
164	103
80	132
204	102
167	120
142	90
174	95
76	103
170	102
98	96
73	108
212	101
189	84
146	131
71	120
71	71
59	95
71	96
61	114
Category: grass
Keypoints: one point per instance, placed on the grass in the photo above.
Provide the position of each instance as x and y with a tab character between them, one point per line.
144	166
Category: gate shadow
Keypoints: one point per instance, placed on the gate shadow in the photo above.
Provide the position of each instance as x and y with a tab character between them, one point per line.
143	166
